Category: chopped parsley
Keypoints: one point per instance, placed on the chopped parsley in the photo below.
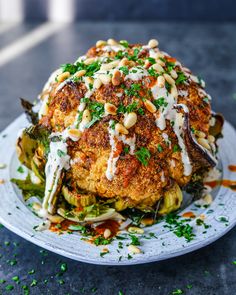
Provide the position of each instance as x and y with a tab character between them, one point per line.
131	107
159	148
63	267
102	254
143	155
133	90
169	64
181	78
177	292
160	102
126	149
73	68
168	86
122	109
124	43
179	227
176	148
20	169
102	241
134	240
97	111
151	60
153	72
124	70
60	153
140	111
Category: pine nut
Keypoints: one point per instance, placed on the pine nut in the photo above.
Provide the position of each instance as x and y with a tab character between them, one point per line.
202	217
97	83
109	66
147	64
121	129
158	68
174	91
107	233
150	106
200	134
186	70
74	133
89	60
101	43
3	166
124	62
203	142
130	120
80	73
211	138
88	80
116	78
86	118
208	199
105	79
135	230
173	74
133	249
36	206
55	218
153	43
110	109
160	81
157	55
169	79
62	77
111	42
161	62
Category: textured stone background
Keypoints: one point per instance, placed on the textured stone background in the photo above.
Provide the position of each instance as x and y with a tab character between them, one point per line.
209	49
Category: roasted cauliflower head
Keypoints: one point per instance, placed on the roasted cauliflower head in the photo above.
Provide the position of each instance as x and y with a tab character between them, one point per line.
128	125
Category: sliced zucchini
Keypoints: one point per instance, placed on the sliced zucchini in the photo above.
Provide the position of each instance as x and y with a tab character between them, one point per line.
76	199
172	200
90	214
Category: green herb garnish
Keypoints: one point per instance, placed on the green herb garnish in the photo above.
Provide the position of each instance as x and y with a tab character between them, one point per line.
143	155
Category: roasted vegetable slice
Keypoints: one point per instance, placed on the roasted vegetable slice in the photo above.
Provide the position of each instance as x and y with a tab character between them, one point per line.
172	200
94	213
78	199
28	108
29	189
25	148
198	154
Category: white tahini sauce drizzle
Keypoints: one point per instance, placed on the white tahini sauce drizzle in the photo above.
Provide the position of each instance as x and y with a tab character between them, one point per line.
171	114
136	73
115	48
111	163
114	138
58	159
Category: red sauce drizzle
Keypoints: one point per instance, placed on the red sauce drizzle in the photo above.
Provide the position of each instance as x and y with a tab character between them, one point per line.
189	214
112	225
64	226
232	168
231	184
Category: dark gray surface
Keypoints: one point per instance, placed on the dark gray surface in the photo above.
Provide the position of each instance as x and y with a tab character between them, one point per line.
213	10
210	51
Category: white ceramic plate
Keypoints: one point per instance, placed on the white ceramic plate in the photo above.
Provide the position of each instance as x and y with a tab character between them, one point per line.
17	217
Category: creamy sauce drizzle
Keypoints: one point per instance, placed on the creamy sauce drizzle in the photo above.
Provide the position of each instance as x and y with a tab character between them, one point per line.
114	139
58	159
